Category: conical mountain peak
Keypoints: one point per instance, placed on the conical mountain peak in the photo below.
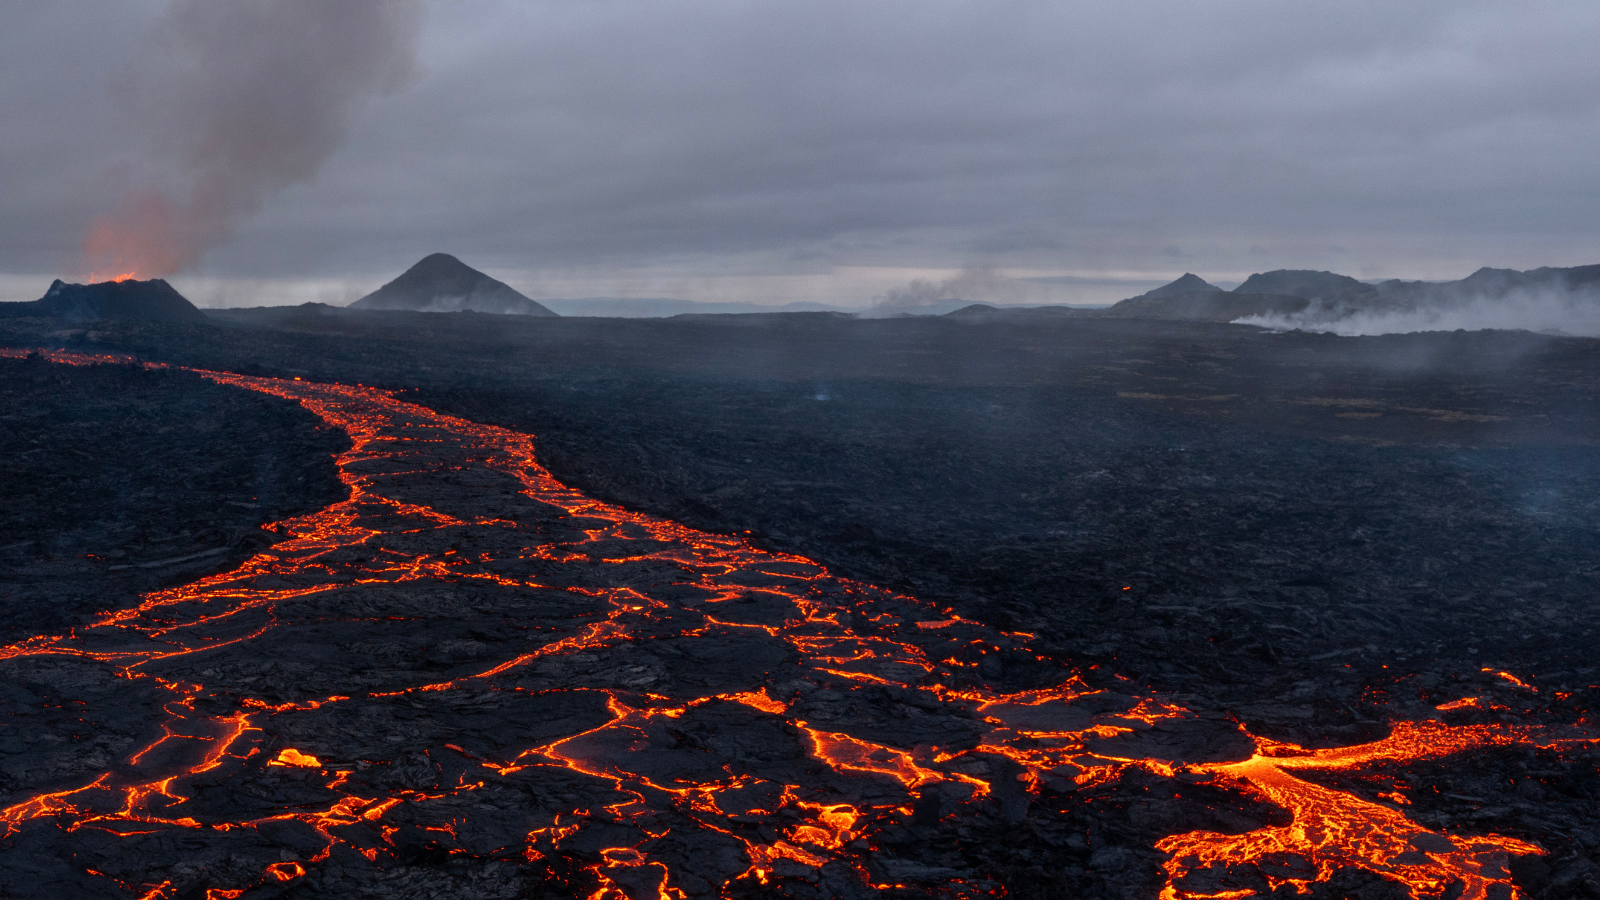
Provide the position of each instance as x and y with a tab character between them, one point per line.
441	283
1189	283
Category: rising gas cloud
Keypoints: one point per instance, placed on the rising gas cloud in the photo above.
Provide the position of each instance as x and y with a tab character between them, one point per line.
233	102
974	284
1549	310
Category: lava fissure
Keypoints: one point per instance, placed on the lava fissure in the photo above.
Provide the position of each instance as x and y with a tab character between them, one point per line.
468	659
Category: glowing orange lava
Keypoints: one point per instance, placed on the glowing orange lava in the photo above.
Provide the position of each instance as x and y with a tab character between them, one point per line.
638	590
293	757
99	278
1333	829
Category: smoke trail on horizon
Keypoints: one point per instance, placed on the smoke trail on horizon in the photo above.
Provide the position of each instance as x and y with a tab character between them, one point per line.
974	284
1552	311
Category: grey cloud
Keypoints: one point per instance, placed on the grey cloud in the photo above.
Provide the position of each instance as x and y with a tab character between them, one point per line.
1086	136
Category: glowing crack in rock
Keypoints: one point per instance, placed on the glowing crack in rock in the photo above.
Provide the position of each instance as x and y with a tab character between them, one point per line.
1333	829
468	658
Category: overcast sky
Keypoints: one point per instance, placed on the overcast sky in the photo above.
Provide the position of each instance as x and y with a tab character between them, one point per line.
822	150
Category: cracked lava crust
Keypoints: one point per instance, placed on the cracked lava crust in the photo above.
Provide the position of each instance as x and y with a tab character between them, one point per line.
468	660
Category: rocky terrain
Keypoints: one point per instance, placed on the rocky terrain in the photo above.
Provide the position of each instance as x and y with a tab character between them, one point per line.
1319	538
120	480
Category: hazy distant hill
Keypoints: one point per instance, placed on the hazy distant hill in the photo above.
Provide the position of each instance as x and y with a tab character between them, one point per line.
1209	306
1187	283
1487	283
1311	285
442	283
149	301
983	312
1192	297
1549	299
1563	300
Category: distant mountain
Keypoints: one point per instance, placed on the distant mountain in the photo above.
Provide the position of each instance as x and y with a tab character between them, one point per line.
1192	297
1491	283
145	301
1207	306
442	283
1188	283
1339	297
1564	300
1324	286
1314	299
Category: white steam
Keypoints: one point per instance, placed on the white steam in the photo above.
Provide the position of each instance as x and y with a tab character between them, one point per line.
1552	311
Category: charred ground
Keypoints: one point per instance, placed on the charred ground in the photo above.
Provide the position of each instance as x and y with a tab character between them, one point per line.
1313	534
120	480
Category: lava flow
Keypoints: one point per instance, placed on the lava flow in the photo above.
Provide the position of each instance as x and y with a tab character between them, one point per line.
467	660
1332	829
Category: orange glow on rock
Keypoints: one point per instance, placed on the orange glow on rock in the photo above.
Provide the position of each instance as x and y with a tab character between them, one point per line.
835	636
1333	830
841	751
292	757
758	700
285	871
1513	679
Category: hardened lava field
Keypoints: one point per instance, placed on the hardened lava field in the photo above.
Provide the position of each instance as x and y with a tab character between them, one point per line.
470	680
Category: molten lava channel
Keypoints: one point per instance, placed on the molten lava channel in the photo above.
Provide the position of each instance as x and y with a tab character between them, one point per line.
468	658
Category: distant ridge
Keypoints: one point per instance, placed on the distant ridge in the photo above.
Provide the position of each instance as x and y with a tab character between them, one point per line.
1503	281
1339	297
1188	283
1192	297
1325	286
442	283
983	312
144	301
1208	306
1315	299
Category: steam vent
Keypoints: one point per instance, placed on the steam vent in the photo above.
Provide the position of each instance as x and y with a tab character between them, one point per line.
470	674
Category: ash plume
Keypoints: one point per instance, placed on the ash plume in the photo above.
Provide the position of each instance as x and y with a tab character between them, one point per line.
240	100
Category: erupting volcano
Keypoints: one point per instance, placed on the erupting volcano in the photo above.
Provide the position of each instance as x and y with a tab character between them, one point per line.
469	661
119	298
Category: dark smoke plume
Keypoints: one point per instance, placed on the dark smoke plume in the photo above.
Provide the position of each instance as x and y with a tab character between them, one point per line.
241	99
